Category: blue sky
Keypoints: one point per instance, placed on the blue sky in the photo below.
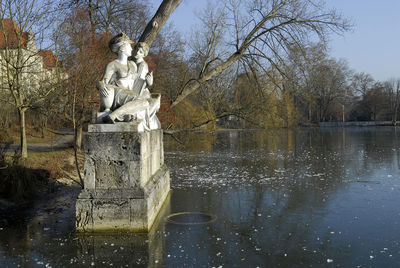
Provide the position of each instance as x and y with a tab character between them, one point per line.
373	46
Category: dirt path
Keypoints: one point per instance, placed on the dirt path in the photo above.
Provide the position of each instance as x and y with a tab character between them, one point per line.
64	141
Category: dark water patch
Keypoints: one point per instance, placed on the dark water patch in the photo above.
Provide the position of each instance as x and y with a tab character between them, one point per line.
191	218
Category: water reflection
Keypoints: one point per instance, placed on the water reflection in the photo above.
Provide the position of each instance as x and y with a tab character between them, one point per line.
203	142
49	240
125	249
288	198
306	197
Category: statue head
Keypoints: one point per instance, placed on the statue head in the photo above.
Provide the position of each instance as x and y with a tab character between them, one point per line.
141	50
119	42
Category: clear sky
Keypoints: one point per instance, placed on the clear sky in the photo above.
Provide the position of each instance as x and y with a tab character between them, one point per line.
373	46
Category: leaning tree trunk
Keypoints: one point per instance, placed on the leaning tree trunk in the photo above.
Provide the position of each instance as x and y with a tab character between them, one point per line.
157	22
22	129
195	84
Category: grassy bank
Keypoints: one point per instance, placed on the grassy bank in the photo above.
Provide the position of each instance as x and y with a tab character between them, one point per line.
24	180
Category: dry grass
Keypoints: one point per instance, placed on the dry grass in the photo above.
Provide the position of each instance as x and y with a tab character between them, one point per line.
59	164
23	180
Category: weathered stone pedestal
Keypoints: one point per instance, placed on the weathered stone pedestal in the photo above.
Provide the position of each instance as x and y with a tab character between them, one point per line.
126	181
121	249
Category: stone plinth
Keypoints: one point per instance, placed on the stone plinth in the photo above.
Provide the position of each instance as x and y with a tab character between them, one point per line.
145	249
126	181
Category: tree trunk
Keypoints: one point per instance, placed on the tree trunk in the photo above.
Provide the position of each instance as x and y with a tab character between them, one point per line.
78	137
374	114
343	117
157	22
91	19
394	117
43	125
22	133
396	108
194	85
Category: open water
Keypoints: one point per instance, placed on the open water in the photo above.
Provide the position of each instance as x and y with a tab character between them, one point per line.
283	198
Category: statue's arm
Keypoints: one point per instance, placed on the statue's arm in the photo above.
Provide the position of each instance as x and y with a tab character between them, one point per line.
149	79
149	75
104	84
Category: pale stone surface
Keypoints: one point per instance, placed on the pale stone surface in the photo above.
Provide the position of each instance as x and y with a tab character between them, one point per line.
124	209
120	127
125	179
115	152
124	92
147	247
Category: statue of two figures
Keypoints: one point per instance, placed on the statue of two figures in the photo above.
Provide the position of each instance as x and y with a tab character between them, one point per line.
124	92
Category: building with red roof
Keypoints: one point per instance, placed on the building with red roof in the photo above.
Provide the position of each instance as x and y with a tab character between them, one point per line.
38	67
10	35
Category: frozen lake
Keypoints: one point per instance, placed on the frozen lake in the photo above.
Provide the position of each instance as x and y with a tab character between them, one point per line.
305	197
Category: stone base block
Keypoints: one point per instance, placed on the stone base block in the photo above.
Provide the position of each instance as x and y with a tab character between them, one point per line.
122	209
117	156
146	249
118	127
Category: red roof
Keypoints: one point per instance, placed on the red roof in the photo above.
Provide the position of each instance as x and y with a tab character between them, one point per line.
13	34
49	59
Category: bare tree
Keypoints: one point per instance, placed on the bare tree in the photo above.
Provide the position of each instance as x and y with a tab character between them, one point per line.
362	83
260	30
256	33
331	81
300	70
114	16
22	70
392	88
84	56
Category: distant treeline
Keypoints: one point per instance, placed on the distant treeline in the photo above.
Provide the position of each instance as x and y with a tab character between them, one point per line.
241	67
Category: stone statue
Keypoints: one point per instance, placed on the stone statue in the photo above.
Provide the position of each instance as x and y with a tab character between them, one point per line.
143	80
124	91
126	181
